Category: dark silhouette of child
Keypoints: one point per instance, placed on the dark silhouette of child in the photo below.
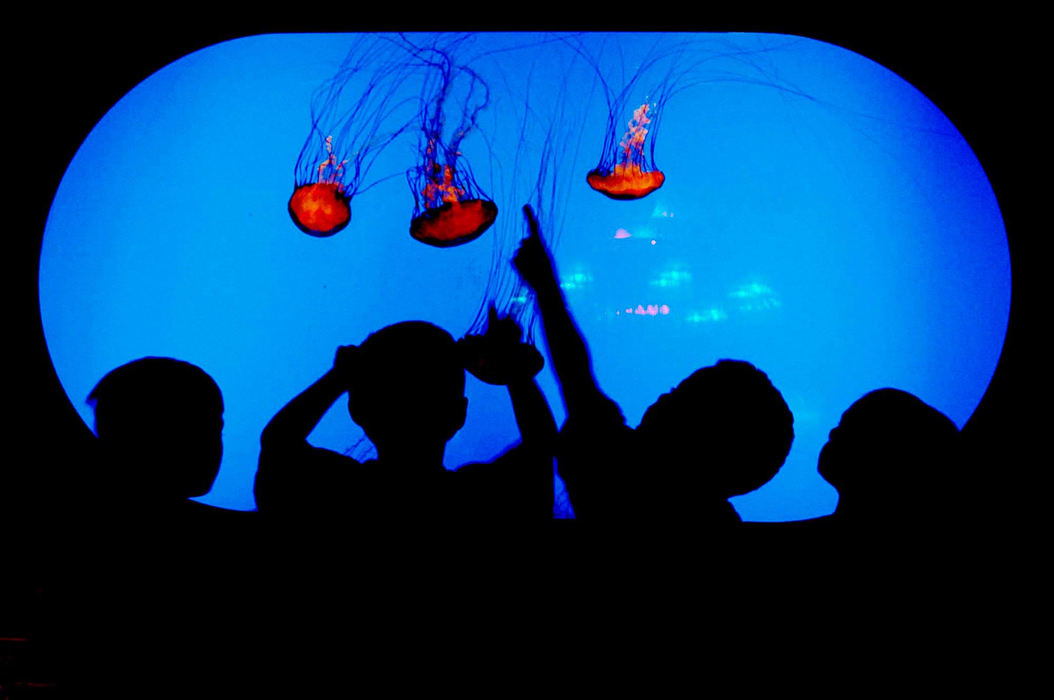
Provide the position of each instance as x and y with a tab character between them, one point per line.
723	431
159	423
895	461
406	388
149	569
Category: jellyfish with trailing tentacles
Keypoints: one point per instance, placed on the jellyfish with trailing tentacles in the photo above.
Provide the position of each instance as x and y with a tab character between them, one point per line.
355	115
449	207
630	176
323	207
626	169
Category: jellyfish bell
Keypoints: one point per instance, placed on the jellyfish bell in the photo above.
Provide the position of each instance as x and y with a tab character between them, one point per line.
454	223
320	209
625	183
451	215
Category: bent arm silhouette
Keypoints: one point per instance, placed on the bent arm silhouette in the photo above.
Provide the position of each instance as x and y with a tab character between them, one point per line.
538	441
291	425
531	475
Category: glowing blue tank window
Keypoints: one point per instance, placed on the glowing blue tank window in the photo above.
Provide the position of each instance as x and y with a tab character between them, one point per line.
829	225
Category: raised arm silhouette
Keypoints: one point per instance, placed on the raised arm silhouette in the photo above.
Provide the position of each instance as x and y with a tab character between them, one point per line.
723	431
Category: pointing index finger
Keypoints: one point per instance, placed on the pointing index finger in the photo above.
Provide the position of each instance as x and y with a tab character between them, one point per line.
532	222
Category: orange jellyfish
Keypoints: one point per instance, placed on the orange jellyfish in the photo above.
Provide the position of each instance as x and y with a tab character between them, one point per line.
626	169
629	177
447	215
449	207
355	115
322	208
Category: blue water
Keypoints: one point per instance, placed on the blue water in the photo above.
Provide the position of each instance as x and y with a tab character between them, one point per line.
820	218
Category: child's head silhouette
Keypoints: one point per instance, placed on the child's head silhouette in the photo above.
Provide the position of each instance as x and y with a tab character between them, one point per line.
723	431
160	424
407	383
891	456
